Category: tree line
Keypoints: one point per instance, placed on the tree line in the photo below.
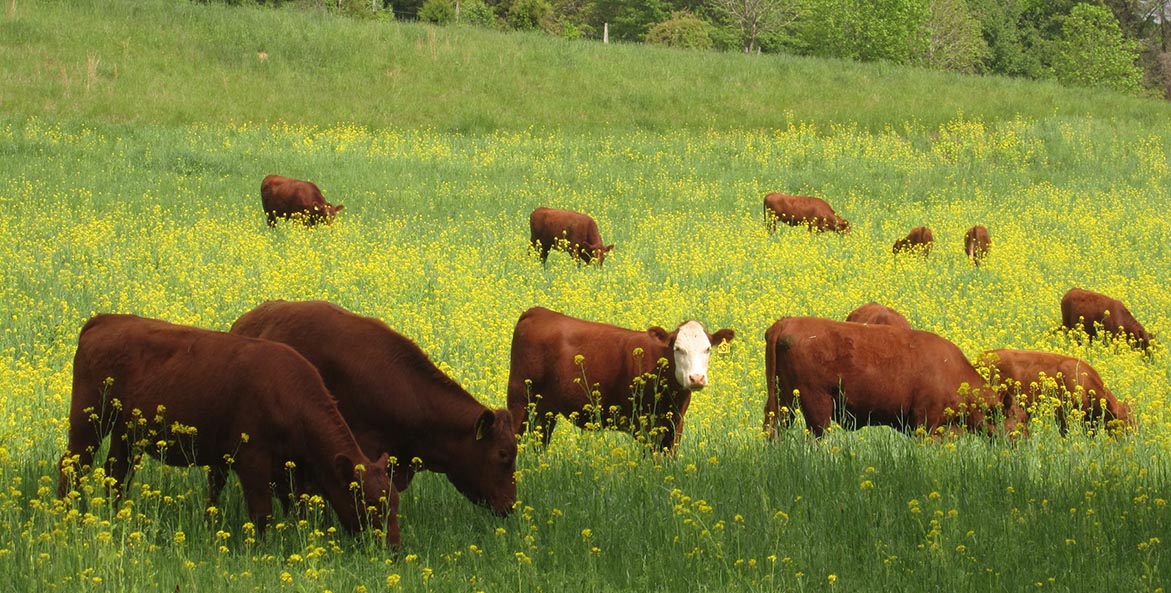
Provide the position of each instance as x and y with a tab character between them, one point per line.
1124	45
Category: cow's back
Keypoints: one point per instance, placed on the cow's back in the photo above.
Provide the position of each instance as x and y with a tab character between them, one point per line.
878	314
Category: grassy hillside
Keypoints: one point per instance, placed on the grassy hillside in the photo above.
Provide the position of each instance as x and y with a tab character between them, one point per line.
173	62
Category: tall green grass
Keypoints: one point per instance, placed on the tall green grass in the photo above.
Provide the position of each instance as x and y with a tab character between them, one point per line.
172	62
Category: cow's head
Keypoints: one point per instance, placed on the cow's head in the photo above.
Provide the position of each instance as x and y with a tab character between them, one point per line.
691	348
842	225
487	463
377	494
597	252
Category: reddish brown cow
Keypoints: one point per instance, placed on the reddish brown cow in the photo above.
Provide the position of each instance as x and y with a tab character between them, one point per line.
977	243
1088	310
634	380
396	400
920	239
1075	382
815	213
283	197
861	375
190	396
878	314
573	232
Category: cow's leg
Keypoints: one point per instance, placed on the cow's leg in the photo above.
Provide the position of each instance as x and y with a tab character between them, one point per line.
255	474
86	430
818	408
118	462
216	478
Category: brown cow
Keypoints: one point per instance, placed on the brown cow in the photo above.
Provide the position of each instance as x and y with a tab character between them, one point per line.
634	380
283	197
1088	310
396	400
977	243
920	239
1078	385
815	213
864	375
569	231
191	396
878	314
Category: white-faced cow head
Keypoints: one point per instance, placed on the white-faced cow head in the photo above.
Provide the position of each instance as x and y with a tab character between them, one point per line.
691	349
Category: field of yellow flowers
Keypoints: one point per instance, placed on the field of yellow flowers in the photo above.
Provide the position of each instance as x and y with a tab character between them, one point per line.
166	223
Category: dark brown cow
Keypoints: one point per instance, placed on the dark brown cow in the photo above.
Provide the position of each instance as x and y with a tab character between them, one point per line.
920	239
190	396
977	243
396	400
1087	310
573	232
626	385
1076	382
283	197
815	213
864	375
878	314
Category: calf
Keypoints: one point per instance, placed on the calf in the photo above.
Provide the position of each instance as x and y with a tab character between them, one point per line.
600	375
878	314
573	232
1088	310
396	400
283	197
920	239
1078	385
863	375
815	213
190	396
977	243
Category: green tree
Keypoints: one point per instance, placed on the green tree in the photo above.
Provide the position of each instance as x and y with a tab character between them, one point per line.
683	29
865	30
1092	51
754	19
529	14
954	38
1013	41
629	20
437	11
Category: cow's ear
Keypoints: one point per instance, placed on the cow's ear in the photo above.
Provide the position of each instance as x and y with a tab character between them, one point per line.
339	208
484	424
658	333
724	335
608	248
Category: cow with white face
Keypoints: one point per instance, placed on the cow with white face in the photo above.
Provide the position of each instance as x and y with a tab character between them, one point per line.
604	376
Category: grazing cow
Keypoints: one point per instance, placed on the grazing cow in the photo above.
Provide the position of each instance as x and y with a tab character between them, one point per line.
1079	386
815	213
919	239
600	375
977	243
283	197
191	396
864	375
573	232
1087	309
396	400
878	314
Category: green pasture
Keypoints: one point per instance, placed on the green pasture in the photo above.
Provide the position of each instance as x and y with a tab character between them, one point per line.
120	198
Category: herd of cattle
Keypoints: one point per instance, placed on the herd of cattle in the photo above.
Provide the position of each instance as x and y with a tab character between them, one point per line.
307	397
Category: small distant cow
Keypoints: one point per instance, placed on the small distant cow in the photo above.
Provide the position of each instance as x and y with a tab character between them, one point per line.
283	197
396	400
920	239
977	243
191	396
1076	382
569	231
600	375
863	375
1088	310
878	314
815	213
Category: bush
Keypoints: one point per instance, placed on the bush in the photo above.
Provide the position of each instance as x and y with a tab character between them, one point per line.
440	12
476	12
1091	51
529	14
683	29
